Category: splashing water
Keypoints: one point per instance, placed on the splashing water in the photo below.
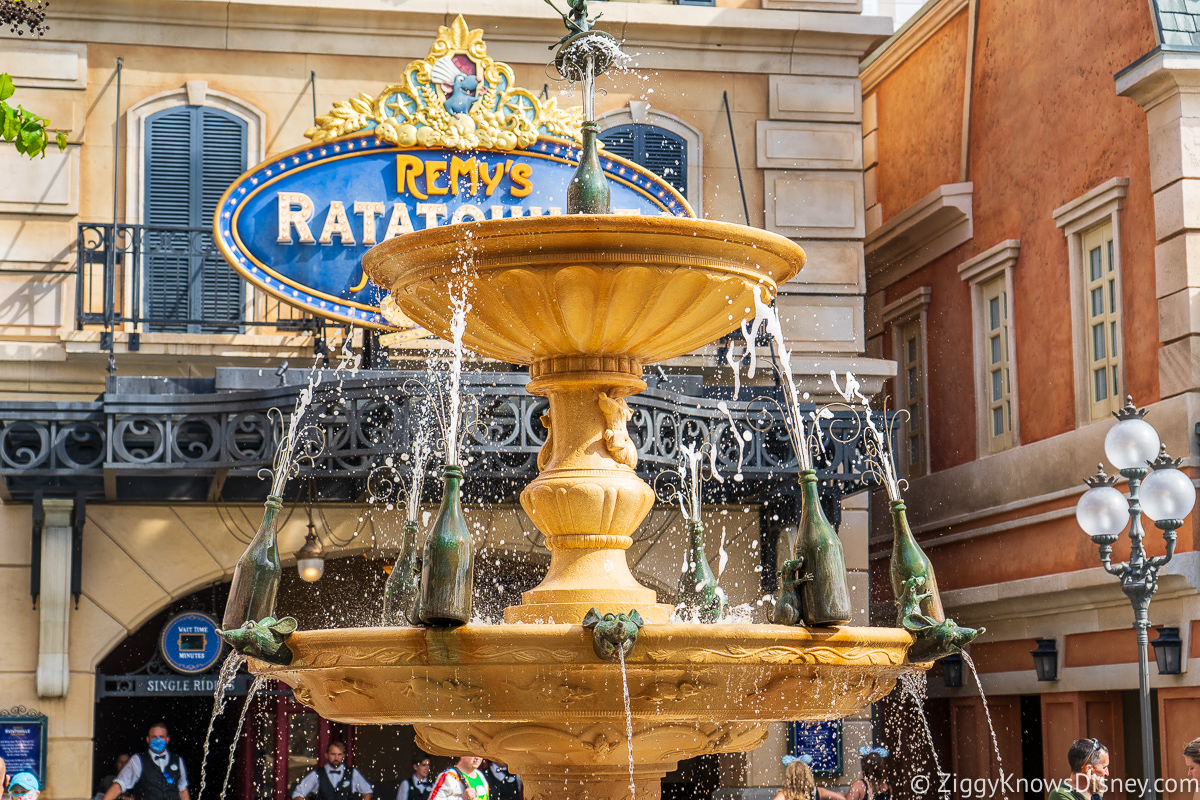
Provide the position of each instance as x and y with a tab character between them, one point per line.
882	452
767	319
628	723
458	326
258	683
723	407
287	458
913	684
987	715
737	373
225	680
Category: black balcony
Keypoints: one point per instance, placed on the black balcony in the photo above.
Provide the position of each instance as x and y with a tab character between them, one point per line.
195	439
146	279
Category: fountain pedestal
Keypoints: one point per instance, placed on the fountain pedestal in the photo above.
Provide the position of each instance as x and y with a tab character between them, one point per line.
587	499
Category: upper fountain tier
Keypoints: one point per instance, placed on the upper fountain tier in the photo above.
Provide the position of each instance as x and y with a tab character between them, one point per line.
647	288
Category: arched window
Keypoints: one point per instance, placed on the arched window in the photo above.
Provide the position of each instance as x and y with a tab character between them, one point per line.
193	153
657	149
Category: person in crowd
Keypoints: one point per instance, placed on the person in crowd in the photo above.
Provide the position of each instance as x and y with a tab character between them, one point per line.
420	785
336	780
23	786
157	774
502	785
1088	760
107	780
463	781
872	785
1191	757
799	783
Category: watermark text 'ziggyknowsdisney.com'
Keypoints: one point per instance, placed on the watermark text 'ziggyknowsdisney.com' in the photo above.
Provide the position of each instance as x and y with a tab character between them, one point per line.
1008	785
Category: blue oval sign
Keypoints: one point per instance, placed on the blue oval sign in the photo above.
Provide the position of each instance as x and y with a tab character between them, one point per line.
298	225
189	643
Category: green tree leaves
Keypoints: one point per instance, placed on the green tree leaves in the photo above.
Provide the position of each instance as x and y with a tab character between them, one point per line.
29	132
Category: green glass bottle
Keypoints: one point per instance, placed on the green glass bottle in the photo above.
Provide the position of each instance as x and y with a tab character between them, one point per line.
400	591
825	597
909	561
446	574
698	593
256	576
588	191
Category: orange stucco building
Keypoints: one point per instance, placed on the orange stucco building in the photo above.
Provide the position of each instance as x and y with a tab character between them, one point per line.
1030	261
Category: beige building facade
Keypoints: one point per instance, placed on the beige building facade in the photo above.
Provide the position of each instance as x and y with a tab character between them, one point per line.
767	100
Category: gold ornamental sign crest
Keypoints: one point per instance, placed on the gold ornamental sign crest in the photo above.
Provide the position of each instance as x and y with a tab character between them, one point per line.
456	97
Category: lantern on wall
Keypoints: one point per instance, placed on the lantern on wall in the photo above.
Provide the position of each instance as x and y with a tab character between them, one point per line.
1168	651
952	671
1045	660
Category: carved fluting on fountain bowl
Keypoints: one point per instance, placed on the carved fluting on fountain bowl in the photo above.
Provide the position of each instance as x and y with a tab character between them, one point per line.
585	301
649	288
538	698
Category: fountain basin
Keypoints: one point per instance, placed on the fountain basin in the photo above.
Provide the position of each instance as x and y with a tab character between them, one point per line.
647	288
538	698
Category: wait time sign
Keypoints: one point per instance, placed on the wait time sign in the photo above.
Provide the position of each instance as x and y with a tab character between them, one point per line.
298	225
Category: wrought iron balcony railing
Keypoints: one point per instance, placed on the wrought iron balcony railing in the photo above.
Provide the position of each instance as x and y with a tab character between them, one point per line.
148	278
191	442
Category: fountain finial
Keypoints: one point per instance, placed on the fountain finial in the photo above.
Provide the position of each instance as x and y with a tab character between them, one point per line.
583	54
576	20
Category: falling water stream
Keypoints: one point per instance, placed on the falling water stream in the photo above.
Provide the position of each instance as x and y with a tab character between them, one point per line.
987	714
254	689
458	326
628	723
225	679
913	684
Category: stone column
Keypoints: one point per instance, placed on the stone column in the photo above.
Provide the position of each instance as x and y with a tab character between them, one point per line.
1167	87
54	601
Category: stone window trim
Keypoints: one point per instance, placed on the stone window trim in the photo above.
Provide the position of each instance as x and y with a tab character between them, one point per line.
912	307
928	229
193	93
995	262
1097	206
639	112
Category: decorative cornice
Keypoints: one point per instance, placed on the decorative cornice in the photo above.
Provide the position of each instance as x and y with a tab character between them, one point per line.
908	306
990	262
906	41
1100	201
658	36
929	228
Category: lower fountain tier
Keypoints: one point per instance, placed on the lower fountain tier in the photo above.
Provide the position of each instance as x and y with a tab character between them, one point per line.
518	673
537	698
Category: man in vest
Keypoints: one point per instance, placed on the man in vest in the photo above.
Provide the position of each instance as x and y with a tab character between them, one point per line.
463	781
420	785
157	774
503	785
335	780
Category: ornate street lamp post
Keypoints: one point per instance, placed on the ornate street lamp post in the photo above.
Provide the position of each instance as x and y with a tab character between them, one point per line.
1163	494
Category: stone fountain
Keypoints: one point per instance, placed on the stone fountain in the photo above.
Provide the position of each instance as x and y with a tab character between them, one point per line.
586	301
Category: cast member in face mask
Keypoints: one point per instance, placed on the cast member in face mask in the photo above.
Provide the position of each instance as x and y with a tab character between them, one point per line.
154	775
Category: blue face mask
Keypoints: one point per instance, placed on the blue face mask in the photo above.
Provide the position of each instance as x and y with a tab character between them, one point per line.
158	744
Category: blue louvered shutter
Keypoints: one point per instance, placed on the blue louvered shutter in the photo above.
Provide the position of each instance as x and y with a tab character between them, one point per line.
192	155
166	262
662	152
223	144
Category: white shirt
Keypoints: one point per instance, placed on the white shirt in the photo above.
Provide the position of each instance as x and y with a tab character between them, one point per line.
358	784
131	773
